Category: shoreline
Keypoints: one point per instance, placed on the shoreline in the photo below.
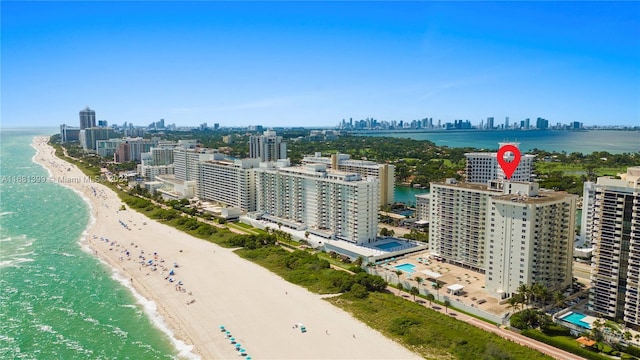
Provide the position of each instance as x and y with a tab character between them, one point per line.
212	286
142	296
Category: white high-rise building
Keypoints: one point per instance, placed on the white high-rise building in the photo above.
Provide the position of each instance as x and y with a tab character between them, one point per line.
267	147
328	203
510	231
615	235
231	183
423	207
343	162
529	239
586	222
483	167
186	162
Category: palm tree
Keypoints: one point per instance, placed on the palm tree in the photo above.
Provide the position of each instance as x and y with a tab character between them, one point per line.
400	287
596	330
519	299
430	297
525	291
436	285
414	291
398	273
513	302
419	280
446	306
558	298
539	293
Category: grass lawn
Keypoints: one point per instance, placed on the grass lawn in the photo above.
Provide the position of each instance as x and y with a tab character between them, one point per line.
573	169
429	333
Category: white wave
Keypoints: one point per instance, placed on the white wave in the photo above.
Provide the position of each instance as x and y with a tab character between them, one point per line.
14	262
46	328
5	213
91	320
11	238
150	308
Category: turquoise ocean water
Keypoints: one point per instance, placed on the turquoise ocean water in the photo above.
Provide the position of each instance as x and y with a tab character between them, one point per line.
56	300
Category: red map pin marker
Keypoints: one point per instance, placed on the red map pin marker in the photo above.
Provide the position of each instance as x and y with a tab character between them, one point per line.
508	166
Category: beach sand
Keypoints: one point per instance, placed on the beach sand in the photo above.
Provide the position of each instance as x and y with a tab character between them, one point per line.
218	288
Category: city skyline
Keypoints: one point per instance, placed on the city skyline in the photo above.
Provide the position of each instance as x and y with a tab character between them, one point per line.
294	64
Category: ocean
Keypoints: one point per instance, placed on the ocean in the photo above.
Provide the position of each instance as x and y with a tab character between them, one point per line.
586	142
57	301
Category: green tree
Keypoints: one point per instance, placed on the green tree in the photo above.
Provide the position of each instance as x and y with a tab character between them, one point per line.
446	304
559	298
400	287
430	298
436	285
414	291
418	280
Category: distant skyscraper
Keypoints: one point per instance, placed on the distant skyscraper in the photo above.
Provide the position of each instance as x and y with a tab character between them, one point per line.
506	122
490	123
87	118
267	147
542	124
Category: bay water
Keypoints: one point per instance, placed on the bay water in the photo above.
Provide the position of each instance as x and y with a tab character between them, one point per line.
586	142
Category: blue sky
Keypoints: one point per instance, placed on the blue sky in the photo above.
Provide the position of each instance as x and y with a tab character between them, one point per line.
313	64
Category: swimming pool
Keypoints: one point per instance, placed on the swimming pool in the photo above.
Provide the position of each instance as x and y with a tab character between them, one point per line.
389	245
576	319
409	268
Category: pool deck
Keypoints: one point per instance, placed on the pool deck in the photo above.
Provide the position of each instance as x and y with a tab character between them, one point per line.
472	281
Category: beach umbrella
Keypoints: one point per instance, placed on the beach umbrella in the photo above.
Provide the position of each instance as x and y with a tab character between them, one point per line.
221	327
238	346
243	350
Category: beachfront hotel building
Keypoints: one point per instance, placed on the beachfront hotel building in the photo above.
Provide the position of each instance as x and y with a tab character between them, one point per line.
186	162
343	162
228	182
483	167
615	235
88	137
87	118
529	239
328	203
158	161
131	149
69	133
267	147
510	231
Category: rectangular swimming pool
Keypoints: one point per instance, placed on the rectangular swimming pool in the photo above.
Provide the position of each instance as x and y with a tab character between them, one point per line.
576	319
408	268
389	245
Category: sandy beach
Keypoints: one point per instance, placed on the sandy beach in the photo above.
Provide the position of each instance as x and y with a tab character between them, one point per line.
211	286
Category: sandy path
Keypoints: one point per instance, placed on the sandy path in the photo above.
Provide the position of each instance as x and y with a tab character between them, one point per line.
259	308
